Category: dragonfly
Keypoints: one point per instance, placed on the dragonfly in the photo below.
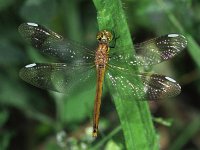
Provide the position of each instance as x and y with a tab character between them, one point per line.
78	65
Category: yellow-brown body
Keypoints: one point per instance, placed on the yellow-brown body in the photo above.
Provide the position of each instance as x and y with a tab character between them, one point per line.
101	61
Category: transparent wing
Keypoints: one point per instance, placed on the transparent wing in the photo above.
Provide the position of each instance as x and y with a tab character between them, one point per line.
144	86
52	44
158	86
58	77
153	51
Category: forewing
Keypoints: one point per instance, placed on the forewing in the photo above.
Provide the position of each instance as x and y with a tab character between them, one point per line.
58	77
52	44
144	86
153	51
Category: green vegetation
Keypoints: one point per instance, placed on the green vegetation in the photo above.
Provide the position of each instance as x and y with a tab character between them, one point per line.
31	118
134	115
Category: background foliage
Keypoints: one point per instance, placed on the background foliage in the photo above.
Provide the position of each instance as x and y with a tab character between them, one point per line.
31	118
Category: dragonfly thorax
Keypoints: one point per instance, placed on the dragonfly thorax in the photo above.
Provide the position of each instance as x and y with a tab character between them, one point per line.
101	56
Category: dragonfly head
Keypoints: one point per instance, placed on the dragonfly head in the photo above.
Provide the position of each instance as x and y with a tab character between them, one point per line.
104	36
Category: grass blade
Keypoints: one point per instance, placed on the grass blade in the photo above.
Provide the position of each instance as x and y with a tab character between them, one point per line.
134	115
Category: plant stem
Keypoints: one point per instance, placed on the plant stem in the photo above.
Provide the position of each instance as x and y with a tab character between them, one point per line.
135	117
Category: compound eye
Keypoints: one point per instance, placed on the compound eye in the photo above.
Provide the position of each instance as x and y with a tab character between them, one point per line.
109	36
99	36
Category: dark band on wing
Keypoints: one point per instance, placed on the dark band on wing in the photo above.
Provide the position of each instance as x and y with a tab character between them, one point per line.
159	86
43	75
53	45
159	49
38	35
144	86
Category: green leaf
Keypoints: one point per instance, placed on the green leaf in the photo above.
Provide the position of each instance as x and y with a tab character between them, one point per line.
5	138
165	122
11	53
186	134
75	108
193	47
38	10
3	117
5	4
112	145
194	50
134	115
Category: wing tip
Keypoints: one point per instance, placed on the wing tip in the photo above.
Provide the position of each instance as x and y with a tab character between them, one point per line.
23	71
173	35
176	35
30	65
